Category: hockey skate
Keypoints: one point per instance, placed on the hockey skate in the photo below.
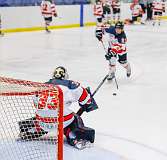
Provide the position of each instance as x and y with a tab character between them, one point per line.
128	72
47	30
1	33
82	144
111	76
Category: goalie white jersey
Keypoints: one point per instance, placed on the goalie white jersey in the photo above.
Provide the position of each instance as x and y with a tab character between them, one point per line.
46	108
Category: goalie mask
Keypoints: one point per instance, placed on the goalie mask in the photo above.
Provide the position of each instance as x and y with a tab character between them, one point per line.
60	73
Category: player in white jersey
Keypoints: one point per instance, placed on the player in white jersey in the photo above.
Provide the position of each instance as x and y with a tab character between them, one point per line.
48	10
1	33
116	8
45	118
107	10
136	12
98	11
158	9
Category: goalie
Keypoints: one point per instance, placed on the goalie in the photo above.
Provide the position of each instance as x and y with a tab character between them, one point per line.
76	133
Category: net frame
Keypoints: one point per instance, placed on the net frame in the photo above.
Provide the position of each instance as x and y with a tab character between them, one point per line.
15	87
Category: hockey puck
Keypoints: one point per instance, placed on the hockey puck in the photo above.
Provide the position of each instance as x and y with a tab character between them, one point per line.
114	94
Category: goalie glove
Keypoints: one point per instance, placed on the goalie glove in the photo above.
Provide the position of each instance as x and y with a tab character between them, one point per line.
99	34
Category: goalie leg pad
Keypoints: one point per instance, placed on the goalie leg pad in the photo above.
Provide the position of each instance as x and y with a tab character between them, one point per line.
32	135
27	124
77	131
85	133
28	129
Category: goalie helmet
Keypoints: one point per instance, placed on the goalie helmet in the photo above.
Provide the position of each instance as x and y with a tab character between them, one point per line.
60	73
120	25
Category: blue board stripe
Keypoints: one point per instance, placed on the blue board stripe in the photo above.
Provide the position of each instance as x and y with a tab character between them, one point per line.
81	15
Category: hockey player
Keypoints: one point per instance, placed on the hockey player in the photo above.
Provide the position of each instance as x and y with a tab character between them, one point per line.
48	10
158	9
1	33
45	120
116	10
137	12
98	11
107	10
116	49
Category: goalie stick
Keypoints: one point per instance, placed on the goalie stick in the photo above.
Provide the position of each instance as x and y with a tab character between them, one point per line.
81	110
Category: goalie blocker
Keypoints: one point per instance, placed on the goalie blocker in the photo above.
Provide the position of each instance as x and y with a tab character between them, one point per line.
74	128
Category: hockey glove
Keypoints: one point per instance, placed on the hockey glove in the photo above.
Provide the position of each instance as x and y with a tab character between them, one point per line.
99	34
92	105
109	54
55	15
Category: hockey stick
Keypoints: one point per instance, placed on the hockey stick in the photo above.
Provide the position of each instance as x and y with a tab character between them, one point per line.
80	111
99	86
109	63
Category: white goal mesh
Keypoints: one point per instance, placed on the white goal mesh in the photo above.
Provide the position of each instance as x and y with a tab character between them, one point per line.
20	137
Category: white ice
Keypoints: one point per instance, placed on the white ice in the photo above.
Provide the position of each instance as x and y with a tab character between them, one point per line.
132	124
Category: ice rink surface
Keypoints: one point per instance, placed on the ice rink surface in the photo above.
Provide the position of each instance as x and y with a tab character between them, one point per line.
133	123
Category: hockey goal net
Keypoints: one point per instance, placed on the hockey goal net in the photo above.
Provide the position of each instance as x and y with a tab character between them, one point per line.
18	111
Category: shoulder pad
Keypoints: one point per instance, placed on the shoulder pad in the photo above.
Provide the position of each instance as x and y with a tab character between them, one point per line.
74	84
110	30
68	83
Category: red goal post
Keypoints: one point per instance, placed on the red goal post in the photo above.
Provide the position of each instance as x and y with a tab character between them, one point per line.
17	105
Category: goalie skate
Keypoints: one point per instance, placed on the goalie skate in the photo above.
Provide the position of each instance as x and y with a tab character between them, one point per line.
82	144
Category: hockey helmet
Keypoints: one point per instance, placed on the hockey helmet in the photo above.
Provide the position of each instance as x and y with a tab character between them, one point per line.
98	1
51	1
119	24
60	73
